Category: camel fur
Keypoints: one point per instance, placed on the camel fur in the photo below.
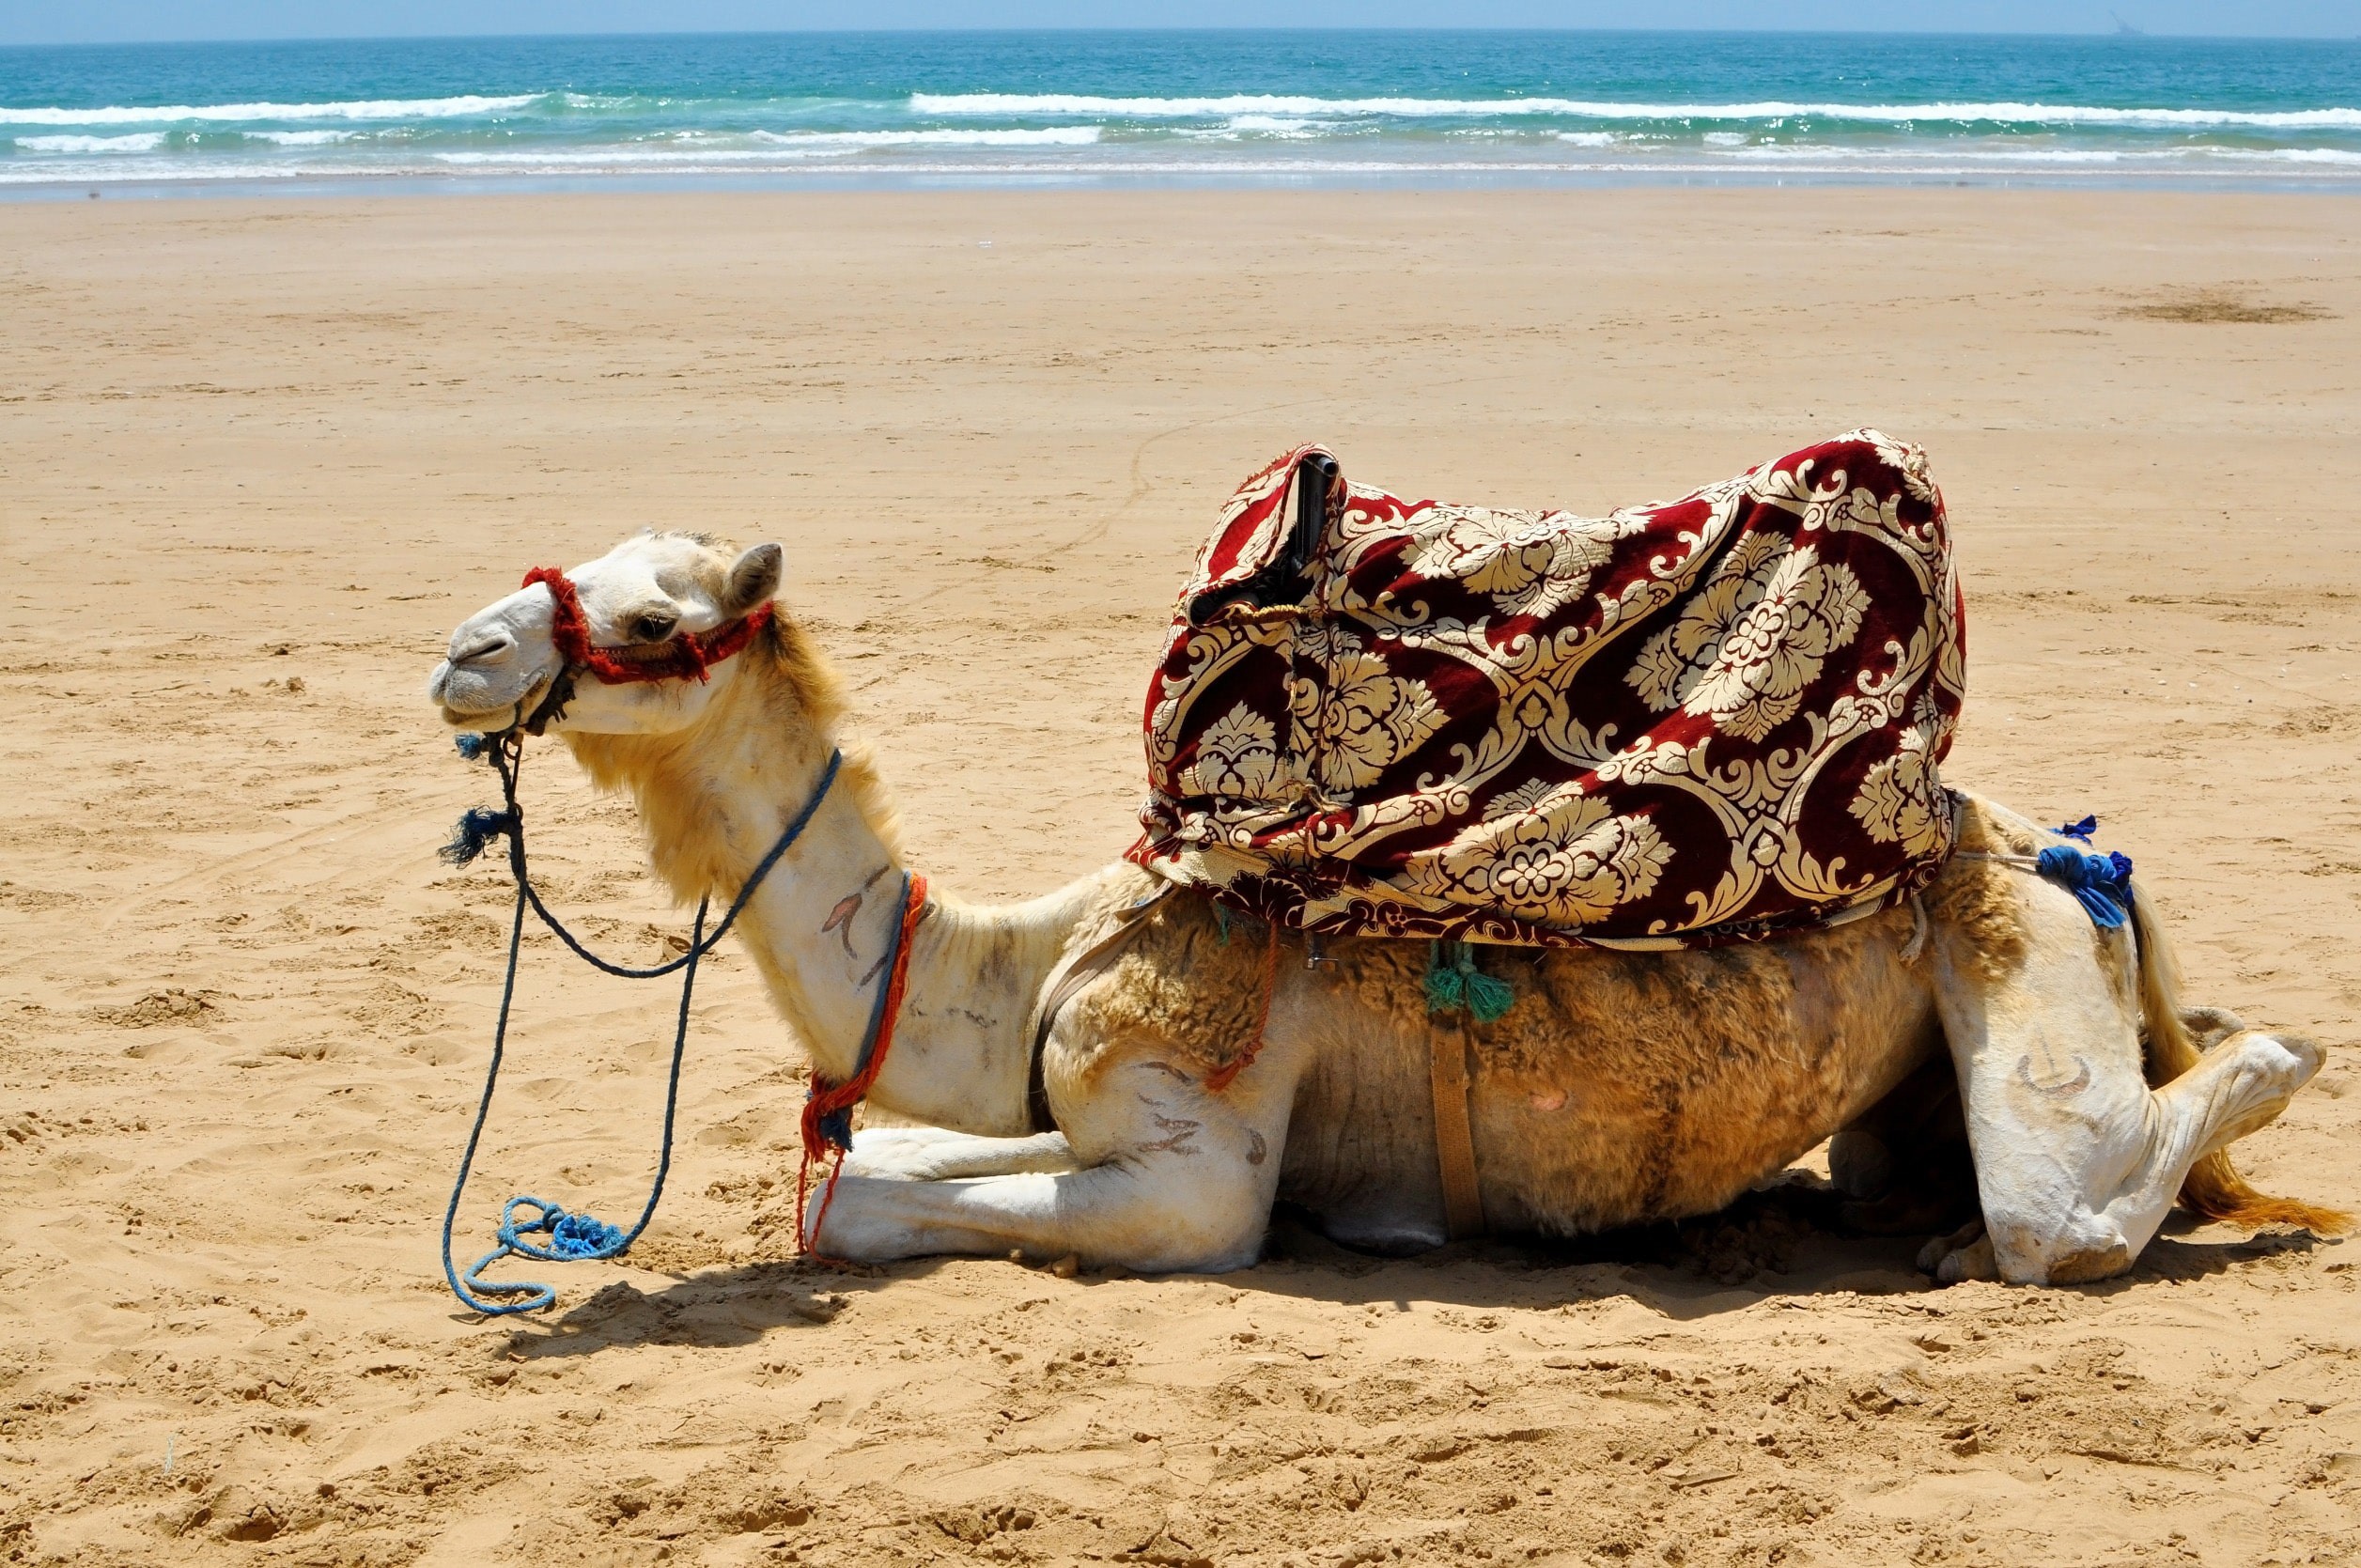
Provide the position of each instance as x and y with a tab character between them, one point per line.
1212	1070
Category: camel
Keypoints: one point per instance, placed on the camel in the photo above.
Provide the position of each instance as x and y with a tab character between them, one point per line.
1209	1066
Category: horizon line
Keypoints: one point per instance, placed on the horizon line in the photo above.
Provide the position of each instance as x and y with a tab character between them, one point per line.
2122	37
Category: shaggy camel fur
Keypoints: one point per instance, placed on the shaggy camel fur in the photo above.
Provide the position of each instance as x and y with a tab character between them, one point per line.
1622	1087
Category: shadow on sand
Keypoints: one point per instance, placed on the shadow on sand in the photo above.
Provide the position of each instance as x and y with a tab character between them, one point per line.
1786	1241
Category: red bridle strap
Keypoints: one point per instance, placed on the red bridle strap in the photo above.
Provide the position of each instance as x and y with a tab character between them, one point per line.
825	1099
682	657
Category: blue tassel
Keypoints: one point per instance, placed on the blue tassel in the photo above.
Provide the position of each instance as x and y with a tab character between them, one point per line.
2082	830
470	746
2102	884
477	829
836	1127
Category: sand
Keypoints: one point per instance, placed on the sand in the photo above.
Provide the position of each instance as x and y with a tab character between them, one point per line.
259	456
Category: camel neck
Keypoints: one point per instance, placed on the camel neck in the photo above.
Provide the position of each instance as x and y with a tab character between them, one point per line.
821	927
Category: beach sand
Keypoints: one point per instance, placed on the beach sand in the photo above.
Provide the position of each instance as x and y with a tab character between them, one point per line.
261	455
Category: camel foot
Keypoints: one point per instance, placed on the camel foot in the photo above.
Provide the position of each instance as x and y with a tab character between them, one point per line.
1964	1255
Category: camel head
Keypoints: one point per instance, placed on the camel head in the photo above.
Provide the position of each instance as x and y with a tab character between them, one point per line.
644	605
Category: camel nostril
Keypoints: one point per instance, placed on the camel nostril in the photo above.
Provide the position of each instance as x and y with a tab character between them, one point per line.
490	650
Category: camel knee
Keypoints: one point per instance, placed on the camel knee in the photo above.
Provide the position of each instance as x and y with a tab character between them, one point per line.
1209	1226
2051	1225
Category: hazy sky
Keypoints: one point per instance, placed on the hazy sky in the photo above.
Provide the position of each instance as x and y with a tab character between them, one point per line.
113	20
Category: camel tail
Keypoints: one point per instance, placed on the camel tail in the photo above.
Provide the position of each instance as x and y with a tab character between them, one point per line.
2212	1186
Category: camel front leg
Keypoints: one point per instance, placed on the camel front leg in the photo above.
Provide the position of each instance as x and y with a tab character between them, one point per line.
2077	1160
1178	1179
937	1154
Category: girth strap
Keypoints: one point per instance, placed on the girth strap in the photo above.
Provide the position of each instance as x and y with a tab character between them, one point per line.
1454	1141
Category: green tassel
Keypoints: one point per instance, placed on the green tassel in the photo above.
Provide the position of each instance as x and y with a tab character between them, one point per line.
1489	999
1460	983
1221	918
1445	989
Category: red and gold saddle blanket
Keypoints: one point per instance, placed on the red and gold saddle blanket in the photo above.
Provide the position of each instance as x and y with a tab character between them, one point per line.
1708	720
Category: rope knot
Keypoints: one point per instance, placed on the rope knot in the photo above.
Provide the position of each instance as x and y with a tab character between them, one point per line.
475	831
2102	884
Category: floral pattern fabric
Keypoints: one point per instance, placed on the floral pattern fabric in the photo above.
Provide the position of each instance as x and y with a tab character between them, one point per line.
1702	720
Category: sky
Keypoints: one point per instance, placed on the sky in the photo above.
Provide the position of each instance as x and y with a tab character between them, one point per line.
151	21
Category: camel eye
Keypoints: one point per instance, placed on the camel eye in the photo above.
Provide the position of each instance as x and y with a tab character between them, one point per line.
653	627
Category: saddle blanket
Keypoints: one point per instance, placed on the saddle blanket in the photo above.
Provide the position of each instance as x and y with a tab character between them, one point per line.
1703	720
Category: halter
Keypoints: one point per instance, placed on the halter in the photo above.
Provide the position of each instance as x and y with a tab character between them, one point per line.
686	655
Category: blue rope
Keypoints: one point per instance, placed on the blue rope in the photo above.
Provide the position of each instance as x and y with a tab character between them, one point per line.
572	1236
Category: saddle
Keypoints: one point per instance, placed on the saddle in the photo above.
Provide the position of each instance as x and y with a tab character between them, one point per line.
1712	720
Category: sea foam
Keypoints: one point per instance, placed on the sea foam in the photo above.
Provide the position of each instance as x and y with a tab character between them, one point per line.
138	142
1060	105
376	108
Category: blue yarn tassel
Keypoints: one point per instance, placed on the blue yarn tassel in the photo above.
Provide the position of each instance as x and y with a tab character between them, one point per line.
478	827
470	746
836	1126
2102	884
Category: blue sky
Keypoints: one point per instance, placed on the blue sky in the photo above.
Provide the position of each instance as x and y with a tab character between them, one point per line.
128	21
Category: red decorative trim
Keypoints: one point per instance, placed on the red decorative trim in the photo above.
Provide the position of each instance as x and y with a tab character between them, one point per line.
684	656
827	1098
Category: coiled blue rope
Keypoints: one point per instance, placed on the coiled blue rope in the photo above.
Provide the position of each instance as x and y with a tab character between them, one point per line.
573	1238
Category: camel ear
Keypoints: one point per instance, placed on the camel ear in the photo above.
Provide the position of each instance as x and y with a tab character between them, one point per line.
752	579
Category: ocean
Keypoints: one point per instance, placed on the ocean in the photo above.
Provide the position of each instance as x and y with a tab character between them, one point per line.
1223	108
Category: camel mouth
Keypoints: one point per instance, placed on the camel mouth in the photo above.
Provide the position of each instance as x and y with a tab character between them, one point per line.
459	714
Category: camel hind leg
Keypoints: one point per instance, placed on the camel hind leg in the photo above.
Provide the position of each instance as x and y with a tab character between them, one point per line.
2077	1158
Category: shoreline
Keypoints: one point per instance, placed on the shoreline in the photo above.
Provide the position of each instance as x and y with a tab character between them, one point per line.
1345	178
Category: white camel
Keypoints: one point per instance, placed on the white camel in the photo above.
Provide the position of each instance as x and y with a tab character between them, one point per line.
1205	1068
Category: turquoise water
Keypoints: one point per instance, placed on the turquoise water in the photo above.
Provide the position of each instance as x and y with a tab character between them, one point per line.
1235	107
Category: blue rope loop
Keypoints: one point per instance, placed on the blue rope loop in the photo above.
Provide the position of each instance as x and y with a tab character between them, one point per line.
2102	884
573	1237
